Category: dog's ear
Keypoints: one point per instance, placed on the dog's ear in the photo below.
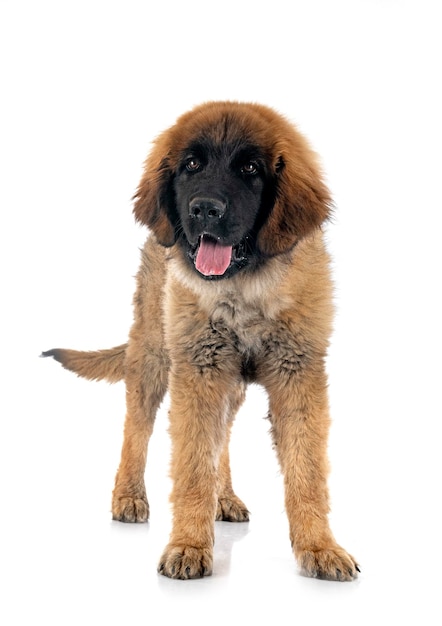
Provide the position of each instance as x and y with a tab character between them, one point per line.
153	196
301	201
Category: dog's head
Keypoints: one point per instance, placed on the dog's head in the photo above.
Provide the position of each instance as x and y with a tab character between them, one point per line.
232	184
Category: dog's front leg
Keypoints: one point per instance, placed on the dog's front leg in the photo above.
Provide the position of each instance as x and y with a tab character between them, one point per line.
300	424
198	428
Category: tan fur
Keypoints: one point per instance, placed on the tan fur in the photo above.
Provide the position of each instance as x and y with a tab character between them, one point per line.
94	365
196	338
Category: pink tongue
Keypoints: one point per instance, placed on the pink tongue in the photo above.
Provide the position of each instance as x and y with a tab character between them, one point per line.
212	258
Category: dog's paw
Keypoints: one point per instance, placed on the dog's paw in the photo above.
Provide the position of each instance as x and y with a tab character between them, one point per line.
231	509
185	562
328	564
130	509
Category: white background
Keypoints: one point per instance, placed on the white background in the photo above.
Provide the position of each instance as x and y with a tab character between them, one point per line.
85	87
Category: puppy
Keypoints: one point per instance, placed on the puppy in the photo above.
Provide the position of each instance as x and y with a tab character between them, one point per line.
233	288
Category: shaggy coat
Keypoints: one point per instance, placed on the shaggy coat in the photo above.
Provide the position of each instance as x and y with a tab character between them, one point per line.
233	288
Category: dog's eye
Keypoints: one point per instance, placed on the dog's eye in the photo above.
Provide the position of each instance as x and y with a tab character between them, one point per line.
249	168
193	165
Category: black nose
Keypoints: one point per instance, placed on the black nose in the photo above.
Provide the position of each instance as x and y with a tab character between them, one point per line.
207	208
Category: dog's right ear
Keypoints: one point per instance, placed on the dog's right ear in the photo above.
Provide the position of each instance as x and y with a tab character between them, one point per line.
154	195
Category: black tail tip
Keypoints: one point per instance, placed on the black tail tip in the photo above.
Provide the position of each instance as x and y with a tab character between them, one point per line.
54	353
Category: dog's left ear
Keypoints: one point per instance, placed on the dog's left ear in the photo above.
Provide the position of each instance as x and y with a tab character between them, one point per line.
302	202
152	199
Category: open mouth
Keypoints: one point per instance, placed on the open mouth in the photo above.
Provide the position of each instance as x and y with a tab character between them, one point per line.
212	258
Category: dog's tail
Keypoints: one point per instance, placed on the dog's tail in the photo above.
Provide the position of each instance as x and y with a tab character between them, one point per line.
99	365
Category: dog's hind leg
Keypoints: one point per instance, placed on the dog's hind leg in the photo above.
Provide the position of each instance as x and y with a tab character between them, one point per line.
230	508
146	384
146	371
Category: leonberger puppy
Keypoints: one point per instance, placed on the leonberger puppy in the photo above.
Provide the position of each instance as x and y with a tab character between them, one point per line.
234	288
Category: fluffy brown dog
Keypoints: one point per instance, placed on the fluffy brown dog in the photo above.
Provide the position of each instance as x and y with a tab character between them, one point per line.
233	288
